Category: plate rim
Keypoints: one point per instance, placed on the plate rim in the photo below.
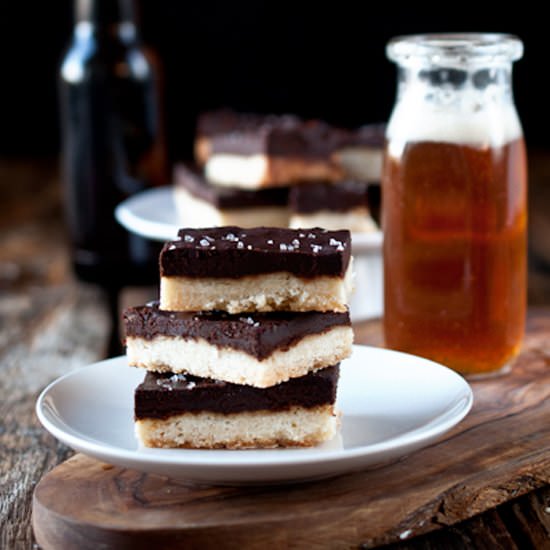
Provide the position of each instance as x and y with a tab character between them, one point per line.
163	231
185	459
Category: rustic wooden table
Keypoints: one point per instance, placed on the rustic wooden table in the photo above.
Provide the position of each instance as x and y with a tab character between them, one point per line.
50	324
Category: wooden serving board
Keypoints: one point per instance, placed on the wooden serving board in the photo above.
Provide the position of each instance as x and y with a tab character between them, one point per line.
500	451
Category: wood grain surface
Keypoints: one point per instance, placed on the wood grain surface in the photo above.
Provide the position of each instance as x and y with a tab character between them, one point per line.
50	324
501	450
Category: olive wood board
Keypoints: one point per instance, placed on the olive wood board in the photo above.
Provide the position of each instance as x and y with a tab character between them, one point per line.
500	451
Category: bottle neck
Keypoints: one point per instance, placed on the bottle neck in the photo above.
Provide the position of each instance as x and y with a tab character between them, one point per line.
105	12
106	17
446	85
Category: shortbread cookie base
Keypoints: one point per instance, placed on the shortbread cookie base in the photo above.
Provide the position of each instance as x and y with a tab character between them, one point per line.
297	426
194	212
357	220
199	358
266	292
257	171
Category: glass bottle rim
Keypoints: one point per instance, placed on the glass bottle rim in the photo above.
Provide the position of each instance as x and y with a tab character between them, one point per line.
454	48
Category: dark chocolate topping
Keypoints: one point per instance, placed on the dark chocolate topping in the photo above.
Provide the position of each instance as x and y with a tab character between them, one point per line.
164	395
338	197
224	121
275	135
227	197
257	334
233	252
285	135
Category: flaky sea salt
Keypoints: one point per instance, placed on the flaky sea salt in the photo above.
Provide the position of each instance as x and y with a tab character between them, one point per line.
168	383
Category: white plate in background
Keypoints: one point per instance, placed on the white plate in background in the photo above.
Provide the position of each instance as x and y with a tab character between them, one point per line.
392	404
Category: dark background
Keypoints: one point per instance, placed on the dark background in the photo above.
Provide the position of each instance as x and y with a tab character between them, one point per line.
313	59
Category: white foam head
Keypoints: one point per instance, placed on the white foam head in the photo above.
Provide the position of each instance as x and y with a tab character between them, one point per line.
464	110
485	118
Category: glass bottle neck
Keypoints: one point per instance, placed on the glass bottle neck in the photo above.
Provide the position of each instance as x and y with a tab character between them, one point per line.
444	82
105	12
106	20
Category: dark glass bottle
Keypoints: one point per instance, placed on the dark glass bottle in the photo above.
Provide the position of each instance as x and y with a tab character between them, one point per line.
113	141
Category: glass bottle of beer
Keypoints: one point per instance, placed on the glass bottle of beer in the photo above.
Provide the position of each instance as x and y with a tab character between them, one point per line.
113	141
454	203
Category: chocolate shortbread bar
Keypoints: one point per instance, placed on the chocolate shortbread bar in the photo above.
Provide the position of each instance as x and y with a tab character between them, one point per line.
223	122
332	205
200	203
257	349
260	269
255	151
180	410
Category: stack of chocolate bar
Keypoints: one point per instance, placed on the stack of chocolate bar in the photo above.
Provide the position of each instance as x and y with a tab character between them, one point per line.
280	171
243	348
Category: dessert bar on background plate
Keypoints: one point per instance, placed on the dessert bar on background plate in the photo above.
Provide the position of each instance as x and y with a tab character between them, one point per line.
255	151
332	206
202	204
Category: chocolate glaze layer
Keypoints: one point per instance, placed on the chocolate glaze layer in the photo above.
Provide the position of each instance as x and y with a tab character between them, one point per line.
273	135
227	197
257	334
338	197
223	121
164	395
233	252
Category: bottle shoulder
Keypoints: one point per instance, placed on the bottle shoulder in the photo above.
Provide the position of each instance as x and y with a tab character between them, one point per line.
93	54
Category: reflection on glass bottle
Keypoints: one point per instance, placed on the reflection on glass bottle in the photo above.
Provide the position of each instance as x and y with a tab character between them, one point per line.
113	141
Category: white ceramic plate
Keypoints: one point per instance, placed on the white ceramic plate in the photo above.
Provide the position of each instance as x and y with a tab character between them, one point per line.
152	214
392	404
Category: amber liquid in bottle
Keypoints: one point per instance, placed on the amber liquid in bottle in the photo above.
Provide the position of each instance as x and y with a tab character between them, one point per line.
455	253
